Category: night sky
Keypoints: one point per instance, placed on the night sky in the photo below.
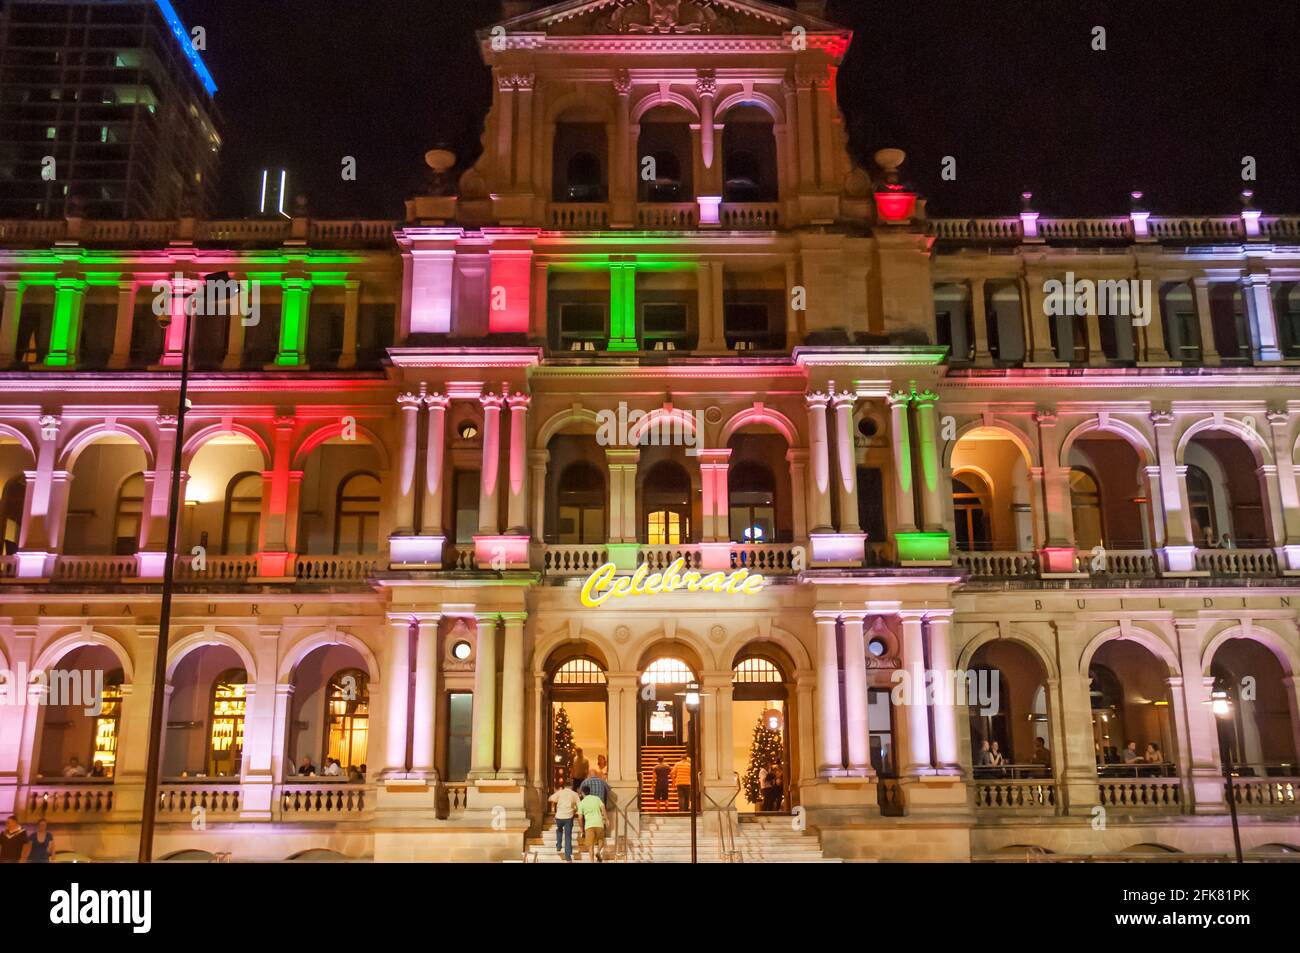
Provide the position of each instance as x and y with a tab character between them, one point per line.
1010	88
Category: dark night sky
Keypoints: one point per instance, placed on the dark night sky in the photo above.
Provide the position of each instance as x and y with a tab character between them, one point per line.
1010	88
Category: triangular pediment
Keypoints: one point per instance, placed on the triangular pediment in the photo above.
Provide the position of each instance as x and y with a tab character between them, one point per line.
659	18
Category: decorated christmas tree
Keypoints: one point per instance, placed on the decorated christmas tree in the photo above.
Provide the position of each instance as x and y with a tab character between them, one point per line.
764	751
562	743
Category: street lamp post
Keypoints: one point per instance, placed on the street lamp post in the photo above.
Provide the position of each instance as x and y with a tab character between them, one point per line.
1221	704
153	765
693	706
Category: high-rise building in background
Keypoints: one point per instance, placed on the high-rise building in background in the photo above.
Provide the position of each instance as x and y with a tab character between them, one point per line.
106	111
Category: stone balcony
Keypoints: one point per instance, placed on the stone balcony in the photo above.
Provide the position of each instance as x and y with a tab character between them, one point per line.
1120	565
216	570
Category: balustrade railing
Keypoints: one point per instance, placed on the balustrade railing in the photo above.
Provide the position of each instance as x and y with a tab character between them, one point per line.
1016	795
579	215
336	568
742	215
772	559
95	568
1119	562
1274	792
565	560
997	565
214	798
1211	228
452	798
1237	562
216	569
87	800
323	802
661	557
668	215
1145	794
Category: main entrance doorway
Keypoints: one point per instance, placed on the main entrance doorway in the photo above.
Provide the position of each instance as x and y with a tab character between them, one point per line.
577	730
760	727
664	733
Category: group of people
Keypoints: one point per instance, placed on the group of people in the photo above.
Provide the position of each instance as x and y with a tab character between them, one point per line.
332	768
1151	761
75	769
583	800
19	847
678	774
992	762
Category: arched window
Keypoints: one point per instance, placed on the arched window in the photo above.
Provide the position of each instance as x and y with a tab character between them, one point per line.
226	730
243	517
580	509
1085	504
1200	503
356	515
584	178
752	490
749	156
666	183
667	505
756	670
970	504
1107	697
579	671
667	671
129	513
348	714
742	176
11	514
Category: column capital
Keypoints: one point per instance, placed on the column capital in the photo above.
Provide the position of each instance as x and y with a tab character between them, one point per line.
817	399
622	82
1045	418
1161	418
706	82
898	399
517	617
829	615
844	399
491	401
410	401
437	401
519	401
940	616
913	615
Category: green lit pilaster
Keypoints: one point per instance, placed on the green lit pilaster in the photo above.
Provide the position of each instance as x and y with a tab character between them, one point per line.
931	493
622	306
295	308
65	327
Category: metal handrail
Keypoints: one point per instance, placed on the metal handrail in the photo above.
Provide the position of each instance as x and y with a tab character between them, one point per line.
624	826
726	830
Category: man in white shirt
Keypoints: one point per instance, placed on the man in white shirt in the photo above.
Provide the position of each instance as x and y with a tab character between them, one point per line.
566	801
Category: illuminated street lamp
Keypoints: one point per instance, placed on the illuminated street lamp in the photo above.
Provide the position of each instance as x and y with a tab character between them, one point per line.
1221	705
693	706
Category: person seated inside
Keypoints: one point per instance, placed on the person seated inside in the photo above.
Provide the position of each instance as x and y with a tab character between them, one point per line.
333	769
305	768
1131	755
1042	758
97	770
74	768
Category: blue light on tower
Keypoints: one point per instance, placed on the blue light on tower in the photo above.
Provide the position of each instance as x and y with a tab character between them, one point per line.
187	45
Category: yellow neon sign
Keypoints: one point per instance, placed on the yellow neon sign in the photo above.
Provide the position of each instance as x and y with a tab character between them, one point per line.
602	585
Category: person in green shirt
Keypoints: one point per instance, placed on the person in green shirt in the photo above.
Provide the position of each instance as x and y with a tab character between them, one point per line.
594	819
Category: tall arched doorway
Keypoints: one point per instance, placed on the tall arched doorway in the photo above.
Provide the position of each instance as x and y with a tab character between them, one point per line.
664	728
760	726
577	715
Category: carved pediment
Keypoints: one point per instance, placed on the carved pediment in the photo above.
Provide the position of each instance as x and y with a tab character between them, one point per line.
665	18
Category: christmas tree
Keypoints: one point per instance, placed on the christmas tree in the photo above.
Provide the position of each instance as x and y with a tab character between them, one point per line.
764	751
562	743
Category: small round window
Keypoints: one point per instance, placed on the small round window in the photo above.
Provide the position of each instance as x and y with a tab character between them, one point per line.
467	431
461	651
877	647
868	427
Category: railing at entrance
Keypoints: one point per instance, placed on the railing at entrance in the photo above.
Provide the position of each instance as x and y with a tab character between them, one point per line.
626	828
725	813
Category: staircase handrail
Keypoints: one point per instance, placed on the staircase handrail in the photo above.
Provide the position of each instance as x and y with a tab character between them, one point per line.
624	826
726	830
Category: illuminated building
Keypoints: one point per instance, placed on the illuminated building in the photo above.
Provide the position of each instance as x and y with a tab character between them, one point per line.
398	479
107	112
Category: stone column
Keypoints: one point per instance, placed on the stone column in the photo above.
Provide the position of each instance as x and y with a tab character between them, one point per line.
830	750
846	459
234	358
855	697
512	697
523	138
405	513
933	494
1263	323
900	432
622	466
798	462
1056	496
819	463
1153	333
715	507
1195	724
488	508
13	306
946	754
1179	545
424	718
434	464
351	314
980	321
1038	345
537	461
295	310
1287	520
124	323
484	738
622	179
397	674
917	756
517	489
65	325
1201	291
